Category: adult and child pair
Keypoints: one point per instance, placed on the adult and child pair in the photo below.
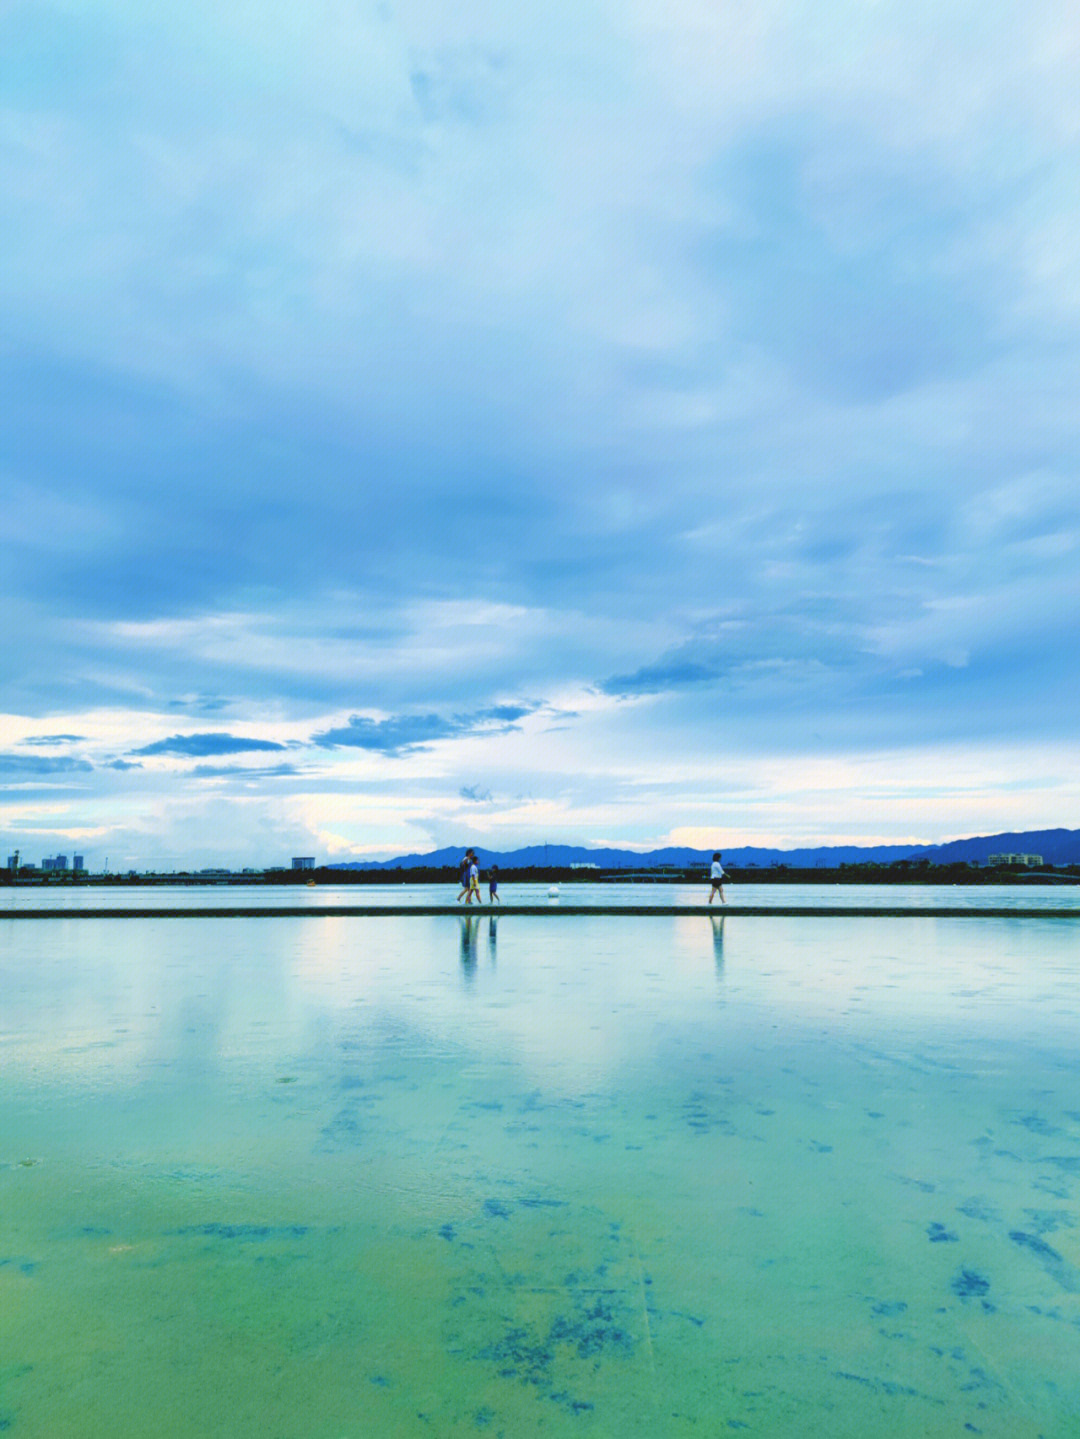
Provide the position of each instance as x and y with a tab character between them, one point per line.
470	881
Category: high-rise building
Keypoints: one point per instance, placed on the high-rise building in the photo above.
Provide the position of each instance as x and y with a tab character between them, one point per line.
77	862
304	861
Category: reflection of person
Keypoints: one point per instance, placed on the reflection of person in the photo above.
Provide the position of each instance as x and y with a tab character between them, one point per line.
469	926
716	879
493	885
466	868
717	922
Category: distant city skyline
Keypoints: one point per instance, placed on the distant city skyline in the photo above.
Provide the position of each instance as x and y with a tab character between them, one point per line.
646	425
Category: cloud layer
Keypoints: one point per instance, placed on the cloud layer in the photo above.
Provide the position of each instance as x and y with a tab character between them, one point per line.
590	424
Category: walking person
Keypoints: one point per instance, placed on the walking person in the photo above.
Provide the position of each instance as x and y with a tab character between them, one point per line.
493	885
716	879
466	867
474	881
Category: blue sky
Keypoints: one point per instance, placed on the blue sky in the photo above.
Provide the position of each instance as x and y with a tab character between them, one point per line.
630	424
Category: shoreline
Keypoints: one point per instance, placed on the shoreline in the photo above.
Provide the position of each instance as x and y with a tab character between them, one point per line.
551	909
850	875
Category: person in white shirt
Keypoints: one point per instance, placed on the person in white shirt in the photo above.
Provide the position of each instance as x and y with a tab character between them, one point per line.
716	879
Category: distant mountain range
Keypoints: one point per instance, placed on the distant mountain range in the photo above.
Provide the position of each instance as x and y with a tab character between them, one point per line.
1057	846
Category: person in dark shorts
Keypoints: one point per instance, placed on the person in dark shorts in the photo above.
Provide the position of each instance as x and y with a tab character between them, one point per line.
493	885
716	879
466	866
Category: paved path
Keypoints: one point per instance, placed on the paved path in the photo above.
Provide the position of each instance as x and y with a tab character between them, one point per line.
547	911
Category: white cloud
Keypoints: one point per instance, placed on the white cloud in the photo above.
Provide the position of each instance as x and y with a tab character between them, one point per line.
416	361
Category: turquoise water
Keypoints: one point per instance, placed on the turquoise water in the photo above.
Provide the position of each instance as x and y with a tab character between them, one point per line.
331	1177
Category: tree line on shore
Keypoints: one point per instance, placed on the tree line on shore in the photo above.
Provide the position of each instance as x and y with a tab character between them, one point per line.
902	871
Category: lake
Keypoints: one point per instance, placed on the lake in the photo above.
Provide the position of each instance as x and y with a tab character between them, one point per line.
323	1178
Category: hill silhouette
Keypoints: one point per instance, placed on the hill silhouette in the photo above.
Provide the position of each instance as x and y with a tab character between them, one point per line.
1056	846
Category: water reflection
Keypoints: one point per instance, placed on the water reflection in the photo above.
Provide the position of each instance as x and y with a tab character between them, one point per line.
717	922
470	926
206	1099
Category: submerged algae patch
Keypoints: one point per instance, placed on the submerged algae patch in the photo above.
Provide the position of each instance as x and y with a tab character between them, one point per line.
1061	1272
573	1343
250	1233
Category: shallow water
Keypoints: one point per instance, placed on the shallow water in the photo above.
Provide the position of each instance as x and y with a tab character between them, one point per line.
1054	895
323	1177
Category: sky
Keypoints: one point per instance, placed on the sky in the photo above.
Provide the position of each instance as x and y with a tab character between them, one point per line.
638	424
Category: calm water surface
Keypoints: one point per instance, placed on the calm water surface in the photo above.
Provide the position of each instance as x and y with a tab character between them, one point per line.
166	896
319	1178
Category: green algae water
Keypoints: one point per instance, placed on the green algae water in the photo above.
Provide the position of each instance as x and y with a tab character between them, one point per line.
321	1178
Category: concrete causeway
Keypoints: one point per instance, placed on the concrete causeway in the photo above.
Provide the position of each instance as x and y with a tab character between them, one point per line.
552	910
